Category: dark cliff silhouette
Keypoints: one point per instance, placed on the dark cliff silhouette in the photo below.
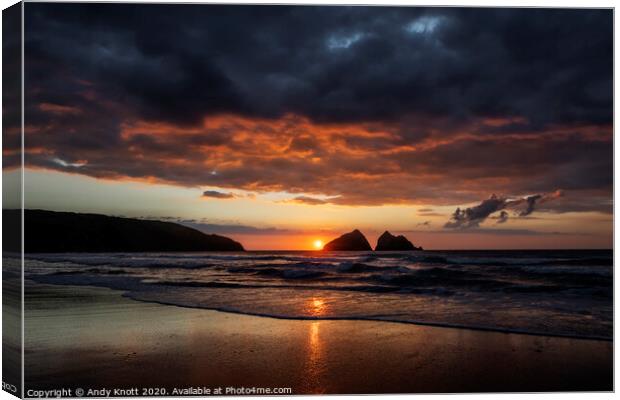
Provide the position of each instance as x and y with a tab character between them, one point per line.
389	242
55	232
352	241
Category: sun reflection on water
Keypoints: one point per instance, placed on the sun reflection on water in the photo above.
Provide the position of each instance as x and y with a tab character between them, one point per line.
315	307
318	306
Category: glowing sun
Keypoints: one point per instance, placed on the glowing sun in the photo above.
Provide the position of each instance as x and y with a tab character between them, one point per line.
318	244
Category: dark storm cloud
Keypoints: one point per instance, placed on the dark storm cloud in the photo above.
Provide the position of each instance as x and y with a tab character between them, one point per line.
11	81
332	63
217	195
472	217
502	217
531	203
364	105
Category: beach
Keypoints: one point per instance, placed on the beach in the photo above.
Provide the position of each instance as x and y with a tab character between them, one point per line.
94	338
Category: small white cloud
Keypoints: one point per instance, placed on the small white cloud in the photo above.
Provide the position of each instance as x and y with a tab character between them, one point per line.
423	25
343	42
65	164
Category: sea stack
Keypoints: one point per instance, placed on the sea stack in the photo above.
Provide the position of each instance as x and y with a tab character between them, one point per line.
389	242
352	241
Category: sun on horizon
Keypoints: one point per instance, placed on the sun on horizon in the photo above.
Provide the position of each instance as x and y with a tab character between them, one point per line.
318	244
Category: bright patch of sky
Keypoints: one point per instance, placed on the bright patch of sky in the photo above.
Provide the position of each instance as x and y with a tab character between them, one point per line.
70	192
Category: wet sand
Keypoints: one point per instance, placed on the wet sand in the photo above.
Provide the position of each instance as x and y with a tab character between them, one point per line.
95	338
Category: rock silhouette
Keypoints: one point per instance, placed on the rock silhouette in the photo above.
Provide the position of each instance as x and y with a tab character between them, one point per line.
54	232
352	241
389	242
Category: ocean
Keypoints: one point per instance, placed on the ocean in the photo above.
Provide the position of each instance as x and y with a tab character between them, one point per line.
562	293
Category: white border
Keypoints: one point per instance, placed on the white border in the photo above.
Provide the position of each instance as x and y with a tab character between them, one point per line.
478	3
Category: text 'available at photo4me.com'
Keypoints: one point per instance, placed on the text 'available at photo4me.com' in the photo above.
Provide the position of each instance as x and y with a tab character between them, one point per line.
148	391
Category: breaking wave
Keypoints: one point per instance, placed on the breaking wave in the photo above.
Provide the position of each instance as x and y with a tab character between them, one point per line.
546	292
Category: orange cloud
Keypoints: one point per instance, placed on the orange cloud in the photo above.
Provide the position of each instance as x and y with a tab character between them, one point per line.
58	109
410	161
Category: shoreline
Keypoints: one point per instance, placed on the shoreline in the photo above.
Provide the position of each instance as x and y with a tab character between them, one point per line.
70	329
369	319
127	294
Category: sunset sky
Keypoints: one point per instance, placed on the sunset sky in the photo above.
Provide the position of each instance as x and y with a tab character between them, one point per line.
279	125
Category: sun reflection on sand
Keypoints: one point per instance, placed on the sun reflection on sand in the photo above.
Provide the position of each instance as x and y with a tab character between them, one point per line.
315	365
